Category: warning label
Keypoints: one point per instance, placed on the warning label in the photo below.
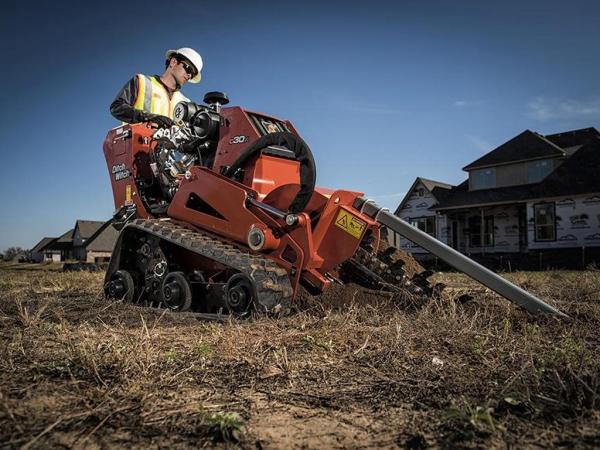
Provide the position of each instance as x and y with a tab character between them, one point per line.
350	224
128	200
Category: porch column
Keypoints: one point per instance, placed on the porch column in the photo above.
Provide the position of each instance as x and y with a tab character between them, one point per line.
482	233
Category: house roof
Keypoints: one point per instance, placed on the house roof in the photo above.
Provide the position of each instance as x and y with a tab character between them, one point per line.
63	242
104	239
525	146
87	228
67	237
430	185
573	138
39	247
577	175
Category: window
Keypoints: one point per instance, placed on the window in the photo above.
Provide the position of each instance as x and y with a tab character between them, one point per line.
483	178
477	235
538	170
426	224
544	222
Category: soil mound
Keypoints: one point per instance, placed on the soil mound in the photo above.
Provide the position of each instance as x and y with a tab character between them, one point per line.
389	253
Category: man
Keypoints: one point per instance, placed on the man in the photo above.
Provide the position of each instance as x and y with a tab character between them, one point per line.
153	98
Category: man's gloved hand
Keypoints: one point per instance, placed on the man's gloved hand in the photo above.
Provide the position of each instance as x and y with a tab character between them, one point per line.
161	121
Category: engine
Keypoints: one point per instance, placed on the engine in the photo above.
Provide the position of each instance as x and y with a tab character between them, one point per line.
170	160
191	141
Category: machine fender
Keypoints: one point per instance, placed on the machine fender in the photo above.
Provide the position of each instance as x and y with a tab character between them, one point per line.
308	171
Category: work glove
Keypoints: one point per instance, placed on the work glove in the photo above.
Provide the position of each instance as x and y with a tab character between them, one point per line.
161	121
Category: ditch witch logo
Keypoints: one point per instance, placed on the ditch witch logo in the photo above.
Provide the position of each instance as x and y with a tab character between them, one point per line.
120	172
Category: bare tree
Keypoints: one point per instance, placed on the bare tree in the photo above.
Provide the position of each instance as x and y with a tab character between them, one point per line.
12	252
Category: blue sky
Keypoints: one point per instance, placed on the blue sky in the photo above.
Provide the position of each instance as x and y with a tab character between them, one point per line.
382	91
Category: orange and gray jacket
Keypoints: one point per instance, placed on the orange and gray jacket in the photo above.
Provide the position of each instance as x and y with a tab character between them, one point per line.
144	94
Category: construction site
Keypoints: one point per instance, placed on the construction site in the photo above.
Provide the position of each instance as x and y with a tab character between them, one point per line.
233	298
244	306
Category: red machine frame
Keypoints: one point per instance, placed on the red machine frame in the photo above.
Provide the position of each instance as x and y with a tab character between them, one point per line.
327	233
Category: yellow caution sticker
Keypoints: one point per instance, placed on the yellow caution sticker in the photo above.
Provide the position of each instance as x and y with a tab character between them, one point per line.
128	200
350	224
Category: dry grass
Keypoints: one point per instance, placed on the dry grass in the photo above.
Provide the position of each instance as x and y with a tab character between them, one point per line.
80	372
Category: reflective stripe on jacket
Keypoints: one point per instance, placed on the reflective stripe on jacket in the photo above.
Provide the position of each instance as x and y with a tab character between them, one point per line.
153	97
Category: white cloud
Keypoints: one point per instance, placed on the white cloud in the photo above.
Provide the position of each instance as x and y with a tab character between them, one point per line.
479	143
467	103
544	109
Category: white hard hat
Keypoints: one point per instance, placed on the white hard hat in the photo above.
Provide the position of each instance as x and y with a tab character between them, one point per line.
192	56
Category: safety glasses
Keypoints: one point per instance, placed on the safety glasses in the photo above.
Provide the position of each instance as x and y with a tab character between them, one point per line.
188	68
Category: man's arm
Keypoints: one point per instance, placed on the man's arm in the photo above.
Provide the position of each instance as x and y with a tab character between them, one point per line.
121	108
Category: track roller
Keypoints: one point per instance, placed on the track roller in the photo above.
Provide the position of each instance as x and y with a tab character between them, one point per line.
240	294
212	275
121	286
176	292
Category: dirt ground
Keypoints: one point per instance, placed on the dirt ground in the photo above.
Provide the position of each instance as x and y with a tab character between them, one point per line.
350	369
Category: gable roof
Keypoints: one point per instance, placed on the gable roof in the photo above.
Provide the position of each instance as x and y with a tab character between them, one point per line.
573	138
525	146
67	237
87	228
39	247
577	175
430	185
103	240
63	242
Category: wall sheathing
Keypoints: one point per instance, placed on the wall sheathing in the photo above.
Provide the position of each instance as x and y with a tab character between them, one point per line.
577	223
417	205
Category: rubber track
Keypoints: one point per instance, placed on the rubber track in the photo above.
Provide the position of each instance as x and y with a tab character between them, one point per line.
273	288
